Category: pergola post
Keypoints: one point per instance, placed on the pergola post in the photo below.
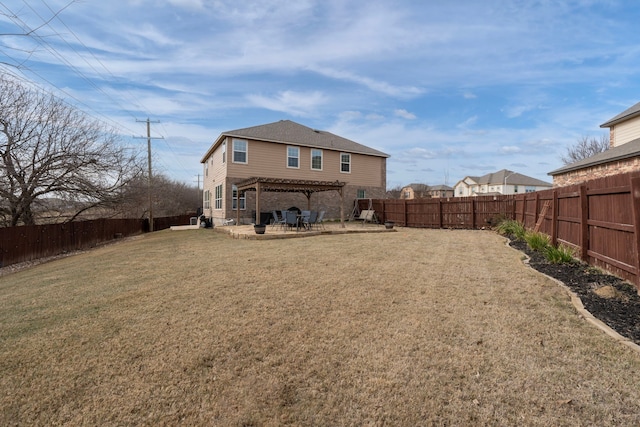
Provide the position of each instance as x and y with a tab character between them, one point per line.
258	203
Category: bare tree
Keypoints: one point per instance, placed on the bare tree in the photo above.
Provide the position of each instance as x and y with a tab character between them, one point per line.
394	193
169	198
585	147
50	149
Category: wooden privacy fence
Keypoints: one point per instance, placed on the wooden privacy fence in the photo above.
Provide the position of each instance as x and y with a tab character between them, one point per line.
599	219
29	242
454	212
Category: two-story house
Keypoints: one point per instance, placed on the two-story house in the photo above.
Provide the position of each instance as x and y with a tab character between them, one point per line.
501	182
622	156
424	191
290	153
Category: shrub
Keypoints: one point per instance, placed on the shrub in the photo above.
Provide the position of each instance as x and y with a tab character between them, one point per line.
537	241
511	227
560	255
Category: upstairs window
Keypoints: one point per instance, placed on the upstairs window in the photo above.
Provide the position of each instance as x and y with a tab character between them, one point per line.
239	151
224	152
293	157
345	162
316	159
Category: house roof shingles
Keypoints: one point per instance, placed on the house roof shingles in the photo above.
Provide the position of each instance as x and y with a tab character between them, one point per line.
625	115
288	132
621	152
512	178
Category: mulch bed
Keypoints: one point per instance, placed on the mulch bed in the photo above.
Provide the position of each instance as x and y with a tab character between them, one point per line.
608	298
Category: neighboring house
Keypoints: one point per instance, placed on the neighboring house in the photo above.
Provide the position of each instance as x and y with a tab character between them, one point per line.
415	191
622	156
501	182
291	153
465	187
440	191
423	191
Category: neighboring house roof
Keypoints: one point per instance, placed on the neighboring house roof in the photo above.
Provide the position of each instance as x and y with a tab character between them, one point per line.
440	188
474	180
512	178
417	187
621	152
627	114
288	132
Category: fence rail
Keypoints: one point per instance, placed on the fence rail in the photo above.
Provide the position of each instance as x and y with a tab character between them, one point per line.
455	212
599	219
29	242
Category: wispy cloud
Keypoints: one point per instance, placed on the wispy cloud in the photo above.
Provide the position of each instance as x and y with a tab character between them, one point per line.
464	86
401	112
294	103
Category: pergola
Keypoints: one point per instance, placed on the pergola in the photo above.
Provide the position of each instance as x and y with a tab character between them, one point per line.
306	187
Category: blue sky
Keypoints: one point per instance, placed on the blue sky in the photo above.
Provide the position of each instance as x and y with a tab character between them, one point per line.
447	89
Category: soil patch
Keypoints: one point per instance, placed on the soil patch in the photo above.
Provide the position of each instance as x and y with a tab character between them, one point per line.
609	298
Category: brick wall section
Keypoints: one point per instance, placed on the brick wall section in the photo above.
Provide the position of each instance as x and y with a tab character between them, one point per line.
599	171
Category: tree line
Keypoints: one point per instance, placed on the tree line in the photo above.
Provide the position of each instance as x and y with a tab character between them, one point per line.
57	162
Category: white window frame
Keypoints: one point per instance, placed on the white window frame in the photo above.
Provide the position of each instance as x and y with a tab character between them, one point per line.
345	163
224	152
207	199
291	157
234	199
319	153
218	197
238	151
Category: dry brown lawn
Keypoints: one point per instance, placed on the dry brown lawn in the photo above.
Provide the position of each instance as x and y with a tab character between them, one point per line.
414	328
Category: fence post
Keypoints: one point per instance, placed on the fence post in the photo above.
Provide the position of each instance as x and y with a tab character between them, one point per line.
406	215
584	226
635	203
473	214
439	213
554	218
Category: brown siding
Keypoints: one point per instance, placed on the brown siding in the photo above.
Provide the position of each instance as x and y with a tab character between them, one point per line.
269	160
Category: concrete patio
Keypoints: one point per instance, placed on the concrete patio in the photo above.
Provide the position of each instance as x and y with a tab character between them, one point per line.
247	231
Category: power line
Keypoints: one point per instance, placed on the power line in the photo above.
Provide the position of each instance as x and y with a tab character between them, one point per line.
55	53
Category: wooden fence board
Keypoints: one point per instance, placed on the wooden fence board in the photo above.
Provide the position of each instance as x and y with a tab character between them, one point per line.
26	243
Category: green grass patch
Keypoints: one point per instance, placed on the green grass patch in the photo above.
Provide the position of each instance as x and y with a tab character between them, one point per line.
511	227
559	255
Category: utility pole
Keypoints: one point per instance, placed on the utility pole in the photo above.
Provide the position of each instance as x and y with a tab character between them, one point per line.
149	177
199	197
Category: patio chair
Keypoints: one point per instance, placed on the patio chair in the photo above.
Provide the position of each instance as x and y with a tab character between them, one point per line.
319	220
308	221
291	219
276	220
